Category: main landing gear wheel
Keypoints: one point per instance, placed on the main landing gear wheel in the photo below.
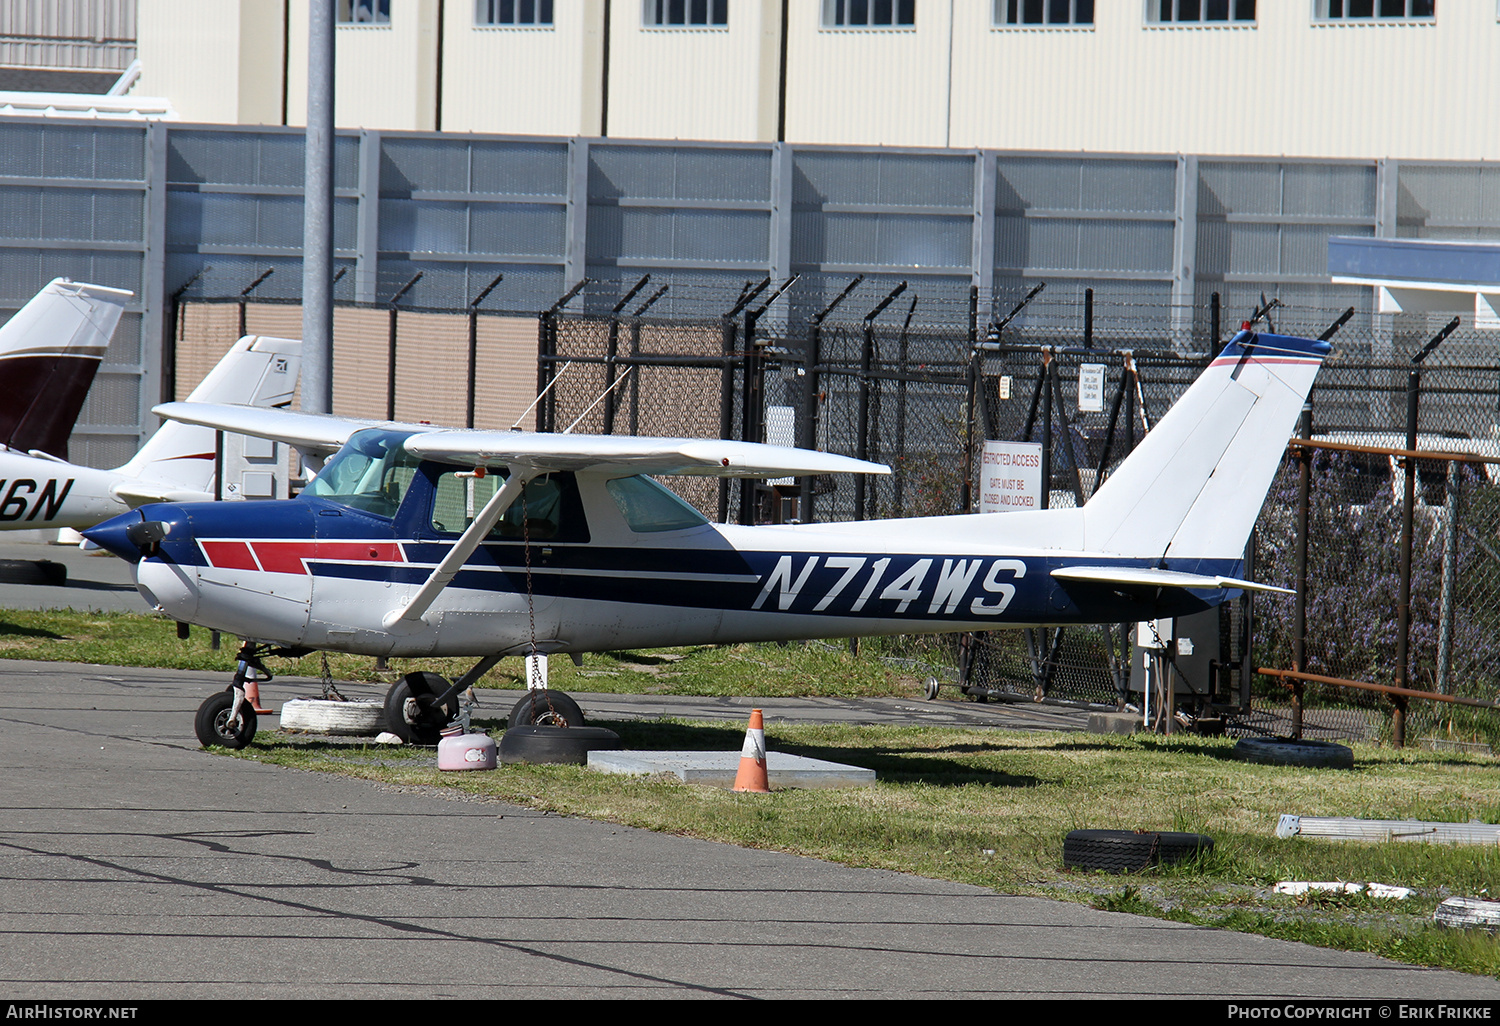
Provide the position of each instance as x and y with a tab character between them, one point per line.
544	708
412	711
212	723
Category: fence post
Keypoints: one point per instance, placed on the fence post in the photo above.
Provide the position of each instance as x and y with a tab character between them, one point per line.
612	353
1046	386
474	347
971	401
245	294
862	426
1450	571
1408	512
390	381
1299	608
812	359
546	344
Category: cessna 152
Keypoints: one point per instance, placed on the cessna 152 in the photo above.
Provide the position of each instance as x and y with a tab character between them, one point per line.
177	463
416	541
50	350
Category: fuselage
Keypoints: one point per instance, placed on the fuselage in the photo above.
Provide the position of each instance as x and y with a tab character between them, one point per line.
608	564
37	493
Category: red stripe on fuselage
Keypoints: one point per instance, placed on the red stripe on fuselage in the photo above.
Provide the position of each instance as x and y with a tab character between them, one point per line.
230	555
292	557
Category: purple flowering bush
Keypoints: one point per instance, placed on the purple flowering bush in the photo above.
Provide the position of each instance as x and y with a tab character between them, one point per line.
1354	581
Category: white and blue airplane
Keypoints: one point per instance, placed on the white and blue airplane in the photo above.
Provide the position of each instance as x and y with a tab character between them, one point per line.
419	541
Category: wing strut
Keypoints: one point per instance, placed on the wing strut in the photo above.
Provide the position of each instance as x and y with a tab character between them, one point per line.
462	549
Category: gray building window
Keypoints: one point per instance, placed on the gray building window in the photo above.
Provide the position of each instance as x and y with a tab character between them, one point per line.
364	12
1044	12
869	14
684	13
1197	12
1377	10
513	12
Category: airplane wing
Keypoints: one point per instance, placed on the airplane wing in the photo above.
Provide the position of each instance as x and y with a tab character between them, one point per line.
310	432
623	455
1141	576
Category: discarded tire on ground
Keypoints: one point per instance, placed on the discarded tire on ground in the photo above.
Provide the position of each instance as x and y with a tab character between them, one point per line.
1467	913
1123	851
324	716
555	744
544	708
1282	751
33	571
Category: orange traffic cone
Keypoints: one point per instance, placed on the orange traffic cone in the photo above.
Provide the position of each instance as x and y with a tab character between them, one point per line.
252	695
752	773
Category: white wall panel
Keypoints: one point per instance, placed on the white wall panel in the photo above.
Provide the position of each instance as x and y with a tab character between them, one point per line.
688	82
541	80
880	86
1280	86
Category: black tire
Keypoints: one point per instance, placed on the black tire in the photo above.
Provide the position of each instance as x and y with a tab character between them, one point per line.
424	688
555	744
212	722
1281	751
33	571
1123	851
544	708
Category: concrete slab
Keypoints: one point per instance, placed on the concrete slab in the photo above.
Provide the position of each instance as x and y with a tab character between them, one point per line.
1114	722
719	768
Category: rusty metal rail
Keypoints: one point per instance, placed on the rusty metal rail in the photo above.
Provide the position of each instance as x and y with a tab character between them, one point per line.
1398	696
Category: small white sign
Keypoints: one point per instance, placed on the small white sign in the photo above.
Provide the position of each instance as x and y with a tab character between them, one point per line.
1010	477
1005	386
1091	388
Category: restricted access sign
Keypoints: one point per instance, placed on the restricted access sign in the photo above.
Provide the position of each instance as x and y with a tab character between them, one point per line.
1010	476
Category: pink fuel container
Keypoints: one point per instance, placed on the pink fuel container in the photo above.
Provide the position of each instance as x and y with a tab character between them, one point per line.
460	751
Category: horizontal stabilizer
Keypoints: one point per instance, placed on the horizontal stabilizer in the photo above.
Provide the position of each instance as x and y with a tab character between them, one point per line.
137	493
623	455
1144	576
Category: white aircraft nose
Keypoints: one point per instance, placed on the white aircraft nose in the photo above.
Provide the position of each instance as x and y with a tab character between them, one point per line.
169	587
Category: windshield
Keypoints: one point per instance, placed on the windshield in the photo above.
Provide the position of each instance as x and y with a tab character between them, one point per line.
371	472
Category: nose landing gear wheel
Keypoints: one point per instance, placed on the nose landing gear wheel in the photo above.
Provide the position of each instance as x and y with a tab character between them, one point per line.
213	727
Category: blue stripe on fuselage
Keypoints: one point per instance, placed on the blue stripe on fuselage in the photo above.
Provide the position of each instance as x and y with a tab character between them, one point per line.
983	589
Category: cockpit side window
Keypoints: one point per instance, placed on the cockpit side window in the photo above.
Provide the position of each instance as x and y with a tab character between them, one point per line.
548	510
370	473
649	508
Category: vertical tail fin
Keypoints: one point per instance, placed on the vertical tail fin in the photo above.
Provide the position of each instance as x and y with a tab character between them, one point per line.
50	350
258	371
1194	487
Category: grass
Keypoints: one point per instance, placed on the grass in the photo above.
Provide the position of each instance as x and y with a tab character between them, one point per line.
759	671
982	807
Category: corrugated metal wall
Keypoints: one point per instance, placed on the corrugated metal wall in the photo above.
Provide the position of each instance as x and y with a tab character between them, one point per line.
83	35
